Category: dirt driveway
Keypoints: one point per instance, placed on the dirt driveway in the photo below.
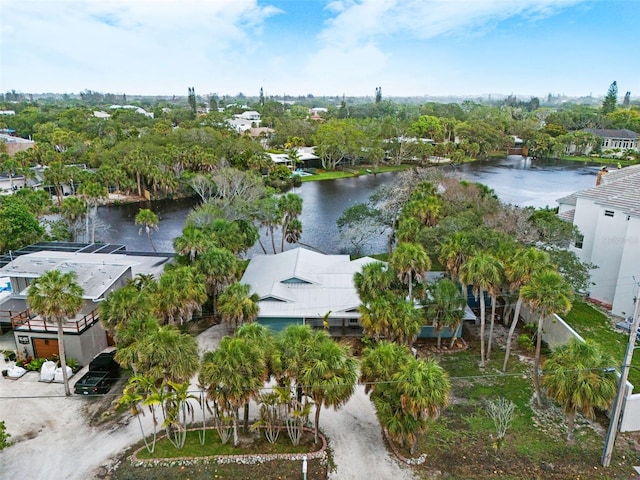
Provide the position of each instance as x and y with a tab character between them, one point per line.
53	440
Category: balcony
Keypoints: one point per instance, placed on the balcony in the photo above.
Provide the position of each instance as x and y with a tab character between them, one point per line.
26	321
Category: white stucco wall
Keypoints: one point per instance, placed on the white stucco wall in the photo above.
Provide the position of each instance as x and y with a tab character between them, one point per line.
627	285
607	252
585	219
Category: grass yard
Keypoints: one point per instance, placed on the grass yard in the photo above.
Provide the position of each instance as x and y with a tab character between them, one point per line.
213	446
251	444
594	325
462	443
353	172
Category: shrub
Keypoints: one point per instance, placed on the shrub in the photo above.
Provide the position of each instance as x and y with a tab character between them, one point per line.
4	436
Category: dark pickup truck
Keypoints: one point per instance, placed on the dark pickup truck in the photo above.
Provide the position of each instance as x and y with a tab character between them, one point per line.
103	372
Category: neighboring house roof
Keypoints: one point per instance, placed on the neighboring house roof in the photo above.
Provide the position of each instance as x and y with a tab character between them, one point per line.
302	283
611	133
568	200
96	272
568	215
304	154
620	189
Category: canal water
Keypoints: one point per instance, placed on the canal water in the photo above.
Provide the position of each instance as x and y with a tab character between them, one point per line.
518	181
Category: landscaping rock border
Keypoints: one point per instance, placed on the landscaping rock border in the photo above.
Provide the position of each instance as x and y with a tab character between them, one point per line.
228	459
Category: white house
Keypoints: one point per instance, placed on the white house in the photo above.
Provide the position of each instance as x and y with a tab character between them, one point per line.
622	138
244	121
301	287
608	217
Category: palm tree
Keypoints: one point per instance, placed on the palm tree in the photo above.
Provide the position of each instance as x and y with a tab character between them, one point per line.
578	377
56	297
262	339
374	278
233	374
293	343
181	292
92	193
445	306
518	271
290	206
547	293
406	392
220	268
149	222
377	315
483	271
329	374
237	305
423	388
381	362
163	354
191	243
454	253
405	322
122	306
411	262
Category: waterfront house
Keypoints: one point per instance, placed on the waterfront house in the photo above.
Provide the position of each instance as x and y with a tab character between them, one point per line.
304	287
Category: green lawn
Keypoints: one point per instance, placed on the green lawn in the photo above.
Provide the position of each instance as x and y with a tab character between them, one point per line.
591	324
462	442
212	446
353	172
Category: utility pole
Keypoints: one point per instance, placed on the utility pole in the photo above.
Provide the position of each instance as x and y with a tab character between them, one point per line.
616	411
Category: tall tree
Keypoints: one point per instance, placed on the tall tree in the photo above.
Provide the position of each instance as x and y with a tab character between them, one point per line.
411	263
547	293
237	305
483	271
406	392
611	99
579	378
92	193
445	307
518	271
329	374
148	222
374	278
56	297
233	374
181	292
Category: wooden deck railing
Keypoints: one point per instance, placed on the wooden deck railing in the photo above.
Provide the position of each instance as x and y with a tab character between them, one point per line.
31	322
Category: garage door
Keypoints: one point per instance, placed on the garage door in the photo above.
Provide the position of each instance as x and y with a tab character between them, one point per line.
45	347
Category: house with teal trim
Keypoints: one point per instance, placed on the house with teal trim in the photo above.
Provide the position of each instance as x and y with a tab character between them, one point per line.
303	287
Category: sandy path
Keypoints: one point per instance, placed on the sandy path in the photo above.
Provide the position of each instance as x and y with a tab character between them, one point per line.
52	439
356	440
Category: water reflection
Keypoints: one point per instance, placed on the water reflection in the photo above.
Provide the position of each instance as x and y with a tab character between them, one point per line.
522	182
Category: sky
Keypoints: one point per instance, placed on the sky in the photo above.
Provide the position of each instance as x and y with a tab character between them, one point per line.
324	48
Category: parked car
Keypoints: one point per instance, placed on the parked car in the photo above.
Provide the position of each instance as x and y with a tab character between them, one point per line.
103	372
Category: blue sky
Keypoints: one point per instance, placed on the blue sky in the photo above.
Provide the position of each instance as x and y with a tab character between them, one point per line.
296	47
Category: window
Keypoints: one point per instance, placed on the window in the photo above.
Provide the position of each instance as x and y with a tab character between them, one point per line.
579	240
609	213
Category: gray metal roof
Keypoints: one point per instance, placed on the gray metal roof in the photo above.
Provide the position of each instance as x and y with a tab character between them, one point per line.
568	215
620	189
611	133
303	283
96	272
